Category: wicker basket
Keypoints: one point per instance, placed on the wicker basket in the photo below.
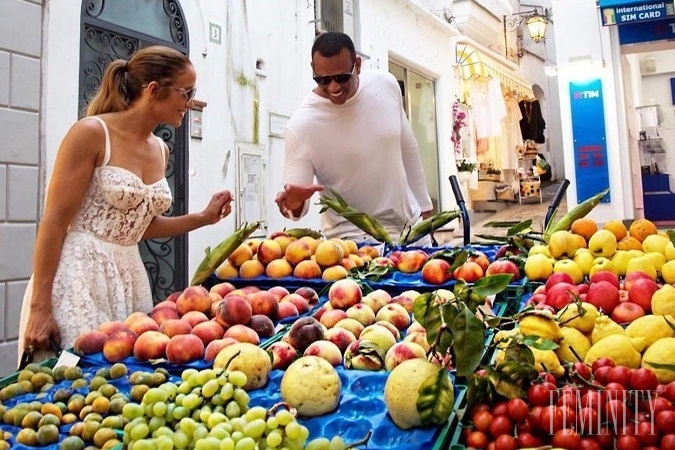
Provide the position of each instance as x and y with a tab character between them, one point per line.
506	194
485	191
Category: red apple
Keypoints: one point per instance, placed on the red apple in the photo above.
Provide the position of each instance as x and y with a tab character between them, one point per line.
627	312
631	277
558	277
504	266
560	294
583	288
605	275
641	292
603	295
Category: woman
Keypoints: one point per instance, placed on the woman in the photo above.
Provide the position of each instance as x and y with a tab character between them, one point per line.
107	192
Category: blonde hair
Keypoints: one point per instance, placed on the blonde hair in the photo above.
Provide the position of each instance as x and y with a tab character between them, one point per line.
123	81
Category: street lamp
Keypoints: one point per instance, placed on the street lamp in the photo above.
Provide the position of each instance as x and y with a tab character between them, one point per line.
536	25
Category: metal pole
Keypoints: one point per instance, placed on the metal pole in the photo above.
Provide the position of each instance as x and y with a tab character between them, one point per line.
466	222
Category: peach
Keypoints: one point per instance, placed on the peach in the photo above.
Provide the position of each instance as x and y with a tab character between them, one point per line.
279	292
143	324
308	294
193	298
215	346
364	257
372	302
134	316
340	337
350	325
357	260
411	294
239	255
298	251
370	251
330	317
362	314
176	326
265	303
298	300
326	350
214	308
208	331
380	336
343	244
172	297
303	332
90	342
194	317
162	305
253	244
415	326
227	271
268	251
242	333
394	314
469	271
411	261
223	288
279	268
419	338
344	294
284	242
287	309
111	326
334	273
282	354
250	289
184	348
392	329
360	356
318	312
119	345
150	345
328	253
307	269
384	261
404	301
348	264
480	258
262	325
251	269
162	315
436	271
233	310
504	266
402	351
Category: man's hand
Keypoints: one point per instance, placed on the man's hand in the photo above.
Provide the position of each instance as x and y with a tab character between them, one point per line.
426	214
292	199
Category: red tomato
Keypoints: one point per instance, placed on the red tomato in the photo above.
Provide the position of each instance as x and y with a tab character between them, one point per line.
627	443
600	374
588	421
647	433
665	421
588	443
621	375
602	362
499	409
668	442
541	394
616	413
605	437
477	439
478	407
481	420
643	380
506	442
527	440
517	409
552	419
615	391
670	391
591	399
581	370
500	425
567	439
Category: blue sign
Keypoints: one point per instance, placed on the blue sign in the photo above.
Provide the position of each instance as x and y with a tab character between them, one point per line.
588	132
636	12
647	32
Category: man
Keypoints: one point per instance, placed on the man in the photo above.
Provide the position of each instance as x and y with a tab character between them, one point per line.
352	134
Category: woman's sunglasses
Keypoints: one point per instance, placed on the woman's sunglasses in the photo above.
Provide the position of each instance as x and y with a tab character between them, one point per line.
340	78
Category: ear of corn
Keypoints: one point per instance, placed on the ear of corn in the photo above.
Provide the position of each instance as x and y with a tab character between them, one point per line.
302	232
413	233
220	253
362	220
581	210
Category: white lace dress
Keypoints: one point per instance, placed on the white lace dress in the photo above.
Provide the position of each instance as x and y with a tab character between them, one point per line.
101	276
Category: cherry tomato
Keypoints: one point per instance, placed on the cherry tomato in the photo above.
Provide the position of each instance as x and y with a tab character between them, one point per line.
670	391
605	437
628	429
627	443
567	439
588	443
552	419
526	425
665	421
506	442
477	439
647	433
481	420
668	442
588	421
643	380
621	375
500	425
654	405
615	391
547	377
499	409
600	374
569	399
582	370
517	409
602	362
478	407
541	394
616	413
591	399
528	440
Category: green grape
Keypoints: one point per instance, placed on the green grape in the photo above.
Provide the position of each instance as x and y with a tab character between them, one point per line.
131	411
207	443
294	444
318	444
336	443
168	416
293	430
223	376
217	400
147	409
156	423
179	399
162	431
241	397
238	378
181	439
188	426
304	432
284	417
227	444
219	431
206	375
219	409
180	412
274	439
187	373
197	391
144	444
159	409
227	391
195	415
204	414
232	410
192	401
210	388
184	388
194	380
140	431
201	432
238	423
214	419
164	443
257	412
246	443
272	423
155	395
255	428
170	388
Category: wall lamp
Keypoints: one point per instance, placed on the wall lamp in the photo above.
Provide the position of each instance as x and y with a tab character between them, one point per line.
536	24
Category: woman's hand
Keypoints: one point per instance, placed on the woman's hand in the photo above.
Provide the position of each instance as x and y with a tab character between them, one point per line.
220	206
40	329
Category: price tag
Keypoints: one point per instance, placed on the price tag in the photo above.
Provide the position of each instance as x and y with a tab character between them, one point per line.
67	359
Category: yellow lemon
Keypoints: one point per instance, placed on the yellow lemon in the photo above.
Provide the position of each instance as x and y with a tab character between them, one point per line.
547	361
584	320
573	346
604	326
655	243
538	325
661	352
651	327
538	267
670	251
617	347
663	301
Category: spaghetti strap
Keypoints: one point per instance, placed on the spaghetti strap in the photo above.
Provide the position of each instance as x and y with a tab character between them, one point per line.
106	157
162	149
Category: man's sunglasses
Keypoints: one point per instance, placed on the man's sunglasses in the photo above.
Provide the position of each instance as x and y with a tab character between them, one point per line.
340	78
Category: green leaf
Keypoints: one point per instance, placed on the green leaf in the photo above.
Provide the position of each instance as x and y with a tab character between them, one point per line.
670	324
671	235
506	387
428	315
478	390
539	343
502	224
436	398
519	228
468	335
496	239
669	367
492	284
460	259
520	353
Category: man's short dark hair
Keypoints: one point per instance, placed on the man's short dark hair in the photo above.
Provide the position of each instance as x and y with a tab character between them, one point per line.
331	43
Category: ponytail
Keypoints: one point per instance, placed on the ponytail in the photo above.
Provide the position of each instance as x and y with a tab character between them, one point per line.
112	95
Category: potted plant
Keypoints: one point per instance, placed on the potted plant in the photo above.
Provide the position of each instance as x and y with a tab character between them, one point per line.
464	168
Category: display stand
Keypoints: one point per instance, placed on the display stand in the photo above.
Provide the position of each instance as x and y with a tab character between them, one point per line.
528	179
